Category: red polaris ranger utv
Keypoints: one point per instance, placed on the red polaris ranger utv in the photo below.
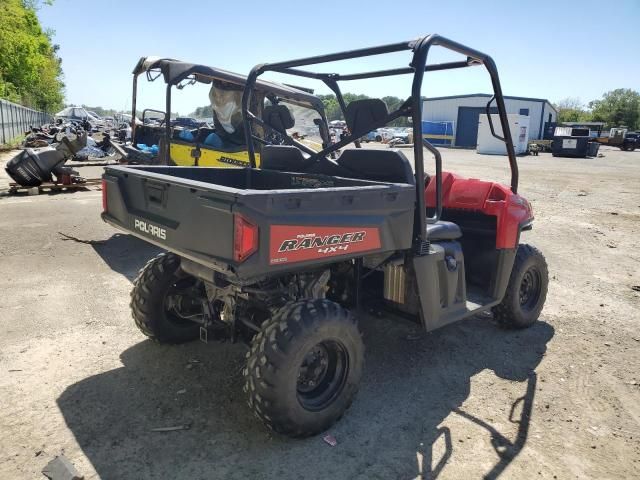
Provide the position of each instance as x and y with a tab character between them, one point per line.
280	256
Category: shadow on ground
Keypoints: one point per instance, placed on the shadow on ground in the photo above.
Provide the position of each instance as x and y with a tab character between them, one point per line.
125	254
409	388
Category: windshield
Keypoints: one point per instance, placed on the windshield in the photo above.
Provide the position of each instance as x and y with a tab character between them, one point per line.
305	129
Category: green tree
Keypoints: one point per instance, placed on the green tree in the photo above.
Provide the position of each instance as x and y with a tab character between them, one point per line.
620	107
393	104
572	110
30	69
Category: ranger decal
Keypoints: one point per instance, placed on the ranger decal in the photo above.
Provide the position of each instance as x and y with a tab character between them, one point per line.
290	243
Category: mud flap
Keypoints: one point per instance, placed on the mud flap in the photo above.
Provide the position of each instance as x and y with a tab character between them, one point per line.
441	284
504	265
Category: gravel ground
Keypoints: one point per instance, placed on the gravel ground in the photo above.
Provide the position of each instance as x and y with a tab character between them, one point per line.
559	400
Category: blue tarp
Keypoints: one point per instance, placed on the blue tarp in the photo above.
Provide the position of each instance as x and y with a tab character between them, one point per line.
438	133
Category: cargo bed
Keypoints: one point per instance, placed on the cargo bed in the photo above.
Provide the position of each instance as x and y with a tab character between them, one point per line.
298	220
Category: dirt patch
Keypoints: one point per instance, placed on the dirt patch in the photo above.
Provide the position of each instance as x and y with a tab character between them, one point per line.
559	400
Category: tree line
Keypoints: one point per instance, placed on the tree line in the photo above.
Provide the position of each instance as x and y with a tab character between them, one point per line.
30	69
617	108
620	107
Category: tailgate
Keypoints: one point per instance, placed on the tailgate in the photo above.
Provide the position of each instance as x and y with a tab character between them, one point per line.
294	228
188	218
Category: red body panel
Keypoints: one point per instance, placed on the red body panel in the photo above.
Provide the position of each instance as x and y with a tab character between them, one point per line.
292	243
510	209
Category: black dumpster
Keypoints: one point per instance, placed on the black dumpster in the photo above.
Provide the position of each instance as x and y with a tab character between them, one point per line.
573	142
577	147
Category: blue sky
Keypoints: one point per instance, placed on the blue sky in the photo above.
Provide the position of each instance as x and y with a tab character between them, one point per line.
546	49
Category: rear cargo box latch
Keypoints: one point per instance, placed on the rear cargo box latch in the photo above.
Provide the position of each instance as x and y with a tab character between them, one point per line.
156	195
196	154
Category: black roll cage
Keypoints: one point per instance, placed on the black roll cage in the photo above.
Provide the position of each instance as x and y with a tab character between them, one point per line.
412	107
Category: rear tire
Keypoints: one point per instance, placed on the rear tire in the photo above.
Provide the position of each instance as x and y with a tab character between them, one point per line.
526	291
160	278
304	367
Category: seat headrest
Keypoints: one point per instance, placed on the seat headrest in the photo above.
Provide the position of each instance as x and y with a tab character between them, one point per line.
378	165
286	158
278	116
362	116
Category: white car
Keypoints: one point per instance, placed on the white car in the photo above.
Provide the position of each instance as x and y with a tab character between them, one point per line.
384	134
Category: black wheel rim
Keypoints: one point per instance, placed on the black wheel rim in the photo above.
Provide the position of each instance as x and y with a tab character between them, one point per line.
530	288
322	375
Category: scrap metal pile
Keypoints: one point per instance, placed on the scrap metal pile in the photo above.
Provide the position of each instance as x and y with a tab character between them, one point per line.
46	149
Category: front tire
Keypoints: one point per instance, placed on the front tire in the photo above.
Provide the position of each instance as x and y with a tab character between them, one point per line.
158	284
304	367
526	291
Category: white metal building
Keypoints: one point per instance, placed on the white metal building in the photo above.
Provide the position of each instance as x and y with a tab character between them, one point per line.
462	112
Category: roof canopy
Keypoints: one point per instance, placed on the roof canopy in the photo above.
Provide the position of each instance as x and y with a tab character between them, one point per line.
175	71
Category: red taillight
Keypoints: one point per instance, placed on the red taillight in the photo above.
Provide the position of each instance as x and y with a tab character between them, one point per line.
104	195
245	238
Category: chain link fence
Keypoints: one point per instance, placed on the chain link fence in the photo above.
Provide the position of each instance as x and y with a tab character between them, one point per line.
15	120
